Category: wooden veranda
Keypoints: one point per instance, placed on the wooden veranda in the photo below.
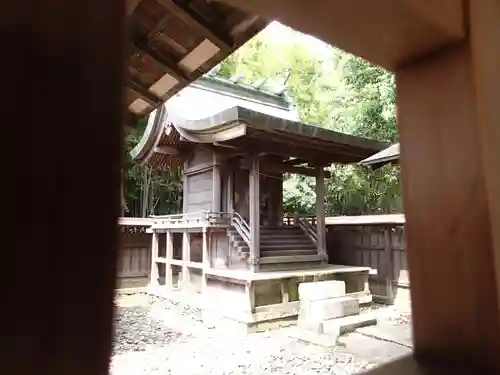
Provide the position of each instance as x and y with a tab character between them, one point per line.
63	86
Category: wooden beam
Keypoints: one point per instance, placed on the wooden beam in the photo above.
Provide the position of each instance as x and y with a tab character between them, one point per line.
166	62
285	168
211	31
64	75
254	202
320	214
386	32
166	150
295	161
148	96
216	183
449	151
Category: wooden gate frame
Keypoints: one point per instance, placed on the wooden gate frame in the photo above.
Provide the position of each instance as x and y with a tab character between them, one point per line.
63	111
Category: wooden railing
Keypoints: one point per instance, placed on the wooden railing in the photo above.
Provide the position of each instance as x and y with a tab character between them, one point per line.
191	220
241	226
292	220
308	228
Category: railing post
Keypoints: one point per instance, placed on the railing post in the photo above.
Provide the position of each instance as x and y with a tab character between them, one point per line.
153	282
205	259
186	258
169	254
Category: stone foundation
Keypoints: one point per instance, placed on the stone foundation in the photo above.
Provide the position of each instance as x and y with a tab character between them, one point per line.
326	312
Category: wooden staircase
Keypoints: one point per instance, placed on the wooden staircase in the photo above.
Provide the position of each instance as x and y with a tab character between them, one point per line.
281	248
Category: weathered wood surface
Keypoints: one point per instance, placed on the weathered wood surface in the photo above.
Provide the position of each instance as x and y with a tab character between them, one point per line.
93	46
380	247
172	43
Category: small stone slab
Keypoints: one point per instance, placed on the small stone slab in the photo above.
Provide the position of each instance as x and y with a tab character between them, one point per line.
317	290
348	323
316	338
331	308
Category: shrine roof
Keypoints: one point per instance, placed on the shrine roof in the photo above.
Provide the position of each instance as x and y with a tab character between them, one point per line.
386	156
168	135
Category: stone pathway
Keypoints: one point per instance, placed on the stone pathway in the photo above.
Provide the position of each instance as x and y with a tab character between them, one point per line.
156	336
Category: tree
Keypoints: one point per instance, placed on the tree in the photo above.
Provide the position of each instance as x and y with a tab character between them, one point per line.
341	92
330	88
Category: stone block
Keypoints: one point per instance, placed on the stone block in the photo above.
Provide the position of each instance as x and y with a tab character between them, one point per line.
317	290
347	324
331	308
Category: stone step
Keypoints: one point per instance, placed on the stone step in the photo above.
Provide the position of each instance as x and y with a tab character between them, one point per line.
290	266
285	241
288	246
274	253
278	247
282	236
291	259
328	334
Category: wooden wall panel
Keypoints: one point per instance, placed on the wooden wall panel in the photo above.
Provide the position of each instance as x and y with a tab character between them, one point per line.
365	245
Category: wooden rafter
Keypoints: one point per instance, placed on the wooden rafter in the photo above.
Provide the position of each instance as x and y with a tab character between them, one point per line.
167	63
158	29
211	31
295	161
284	168
144	93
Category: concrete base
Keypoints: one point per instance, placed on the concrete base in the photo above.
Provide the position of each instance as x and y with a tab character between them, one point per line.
328	334
253	302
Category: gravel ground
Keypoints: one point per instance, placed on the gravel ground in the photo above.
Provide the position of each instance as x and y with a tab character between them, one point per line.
156	336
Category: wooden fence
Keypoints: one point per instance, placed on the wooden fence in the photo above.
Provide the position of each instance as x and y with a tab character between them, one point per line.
372	241
376	242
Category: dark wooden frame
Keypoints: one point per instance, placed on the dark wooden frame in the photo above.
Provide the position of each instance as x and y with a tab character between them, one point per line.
62	65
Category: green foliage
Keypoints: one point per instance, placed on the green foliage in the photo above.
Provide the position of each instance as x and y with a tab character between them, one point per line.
331	89
341	92
146	191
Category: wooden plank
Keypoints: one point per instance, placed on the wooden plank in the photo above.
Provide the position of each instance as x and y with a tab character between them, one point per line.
447	143
181	263
254	203
398	219
166	62
291	259
386	32
213	32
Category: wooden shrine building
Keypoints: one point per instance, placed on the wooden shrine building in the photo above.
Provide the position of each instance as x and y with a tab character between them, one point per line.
233	160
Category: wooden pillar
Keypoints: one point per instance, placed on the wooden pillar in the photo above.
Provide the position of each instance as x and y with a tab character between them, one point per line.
186	257
254	202
320	213
185	188
216	187
169	254
230	189
388	262
449	122
205	258
153	281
